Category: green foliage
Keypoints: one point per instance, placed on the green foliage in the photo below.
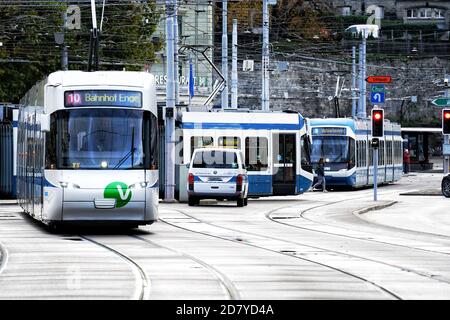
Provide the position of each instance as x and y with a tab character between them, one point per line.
29	51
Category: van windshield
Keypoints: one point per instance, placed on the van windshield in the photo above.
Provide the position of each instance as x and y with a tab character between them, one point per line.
215	159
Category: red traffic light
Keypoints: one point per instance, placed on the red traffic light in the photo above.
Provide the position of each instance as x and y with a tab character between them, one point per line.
377	115
377	123
446	121
447	115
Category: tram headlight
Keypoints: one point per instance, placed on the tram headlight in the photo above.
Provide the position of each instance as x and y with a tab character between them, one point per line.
104	164
69	185
139	185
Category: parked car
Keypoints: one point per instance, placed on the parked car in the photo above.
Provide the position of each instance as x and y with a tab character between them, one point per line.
445	186
216	173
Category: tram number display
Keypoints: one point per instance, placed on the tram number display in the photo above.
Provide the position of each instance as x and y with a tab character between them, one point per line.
328	131
110	98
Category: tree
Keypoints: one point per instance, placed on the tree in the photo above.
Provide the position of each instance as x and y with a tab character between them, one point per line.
29	51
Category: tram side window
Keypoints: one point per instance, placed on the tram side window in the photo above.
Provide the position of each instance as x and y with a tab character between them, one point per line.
381	154
50	143
230	142
305	147
152	161
364	149
351	156
201	142
359	145
256	153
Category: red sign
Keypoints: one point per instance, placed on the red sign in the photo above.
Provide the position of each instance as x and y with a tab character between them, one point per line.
379	79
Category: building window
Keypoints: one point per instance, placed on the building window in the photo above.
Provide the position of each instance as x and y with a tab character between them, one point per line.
346	11
425	13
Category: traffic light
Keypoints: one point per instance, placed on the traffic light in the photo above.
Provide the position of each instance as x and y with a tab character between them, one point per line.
377	122
446	121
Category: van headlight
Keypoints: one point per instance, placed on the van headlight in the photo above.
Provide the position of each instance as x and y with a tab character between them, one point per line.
69	185
139	185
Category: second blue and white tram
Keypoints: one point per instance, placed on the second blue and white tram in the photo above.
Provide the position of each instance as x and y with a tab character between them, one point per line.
344	144
87	148
275	146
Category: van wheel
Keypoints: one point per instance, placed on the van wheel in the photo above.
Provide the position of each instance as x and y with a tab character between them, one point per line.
245	201
193	201
240	202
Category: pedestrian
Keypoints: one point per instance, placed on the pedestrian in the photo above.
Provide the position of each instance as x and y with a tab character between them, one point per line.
406	161
320	171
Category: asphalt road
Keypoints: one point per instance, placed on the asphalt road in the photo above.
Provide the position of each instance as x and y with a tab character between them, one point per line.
313	246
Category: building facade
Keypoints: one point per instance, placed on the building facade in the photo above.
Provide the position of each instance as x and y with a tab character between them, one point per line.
196	34
410	11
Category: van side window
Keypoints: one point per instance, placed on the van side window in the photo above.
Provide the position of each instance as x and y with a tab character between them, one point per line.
256	153
201	142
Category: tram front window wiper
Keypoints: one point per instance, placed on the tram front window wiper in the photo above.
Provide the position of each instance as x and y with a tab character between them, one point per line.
129	154
125	158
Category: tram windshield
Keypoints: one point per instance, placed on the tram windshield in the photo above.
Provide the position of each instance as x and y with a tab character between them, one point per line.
334	149
102	139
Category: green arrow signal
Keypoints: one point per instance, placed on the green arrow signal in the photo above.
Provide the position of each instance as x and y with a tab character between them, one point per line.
441	102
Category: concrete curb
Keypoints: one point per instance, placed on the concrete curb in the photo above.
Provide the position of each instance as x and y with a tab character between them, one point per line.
374	207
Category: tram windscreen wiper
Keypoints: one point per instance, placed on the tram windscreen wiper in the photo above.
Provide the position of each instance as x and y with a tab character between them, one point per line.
129	154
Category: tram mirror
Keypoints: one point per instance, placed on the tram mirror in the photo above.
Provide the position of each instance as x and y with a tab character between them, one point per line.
45	123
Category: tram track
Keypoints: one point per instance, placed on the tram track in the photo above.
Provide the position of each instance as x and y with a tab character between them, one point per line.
242	241
301	215
226	283
142	291
144	282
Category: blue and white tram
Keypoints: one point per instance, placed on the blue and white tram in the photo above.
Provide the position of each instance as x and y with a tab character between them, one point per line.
87	148
344	144
276	146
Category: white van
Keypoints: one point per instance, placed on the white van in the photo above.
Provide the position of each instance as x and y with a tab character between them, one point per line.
216	173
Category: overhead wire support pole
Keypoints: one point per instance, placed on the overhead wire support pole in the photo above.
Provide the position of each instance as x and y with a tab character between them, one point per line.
265	58
364	85
176	55
360	83
234	73
225	53
353	82
169	185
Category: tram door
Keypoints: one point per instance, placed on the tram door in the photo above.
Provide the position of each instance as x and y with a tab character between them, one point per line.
284	163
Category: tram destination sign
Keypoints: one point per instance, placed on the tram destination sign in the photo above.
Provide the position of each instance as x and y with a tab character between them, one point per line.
97	98
329	131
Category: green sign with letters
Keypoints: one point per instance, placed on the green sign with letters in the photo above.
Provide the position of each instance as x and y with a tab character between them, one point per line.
378	88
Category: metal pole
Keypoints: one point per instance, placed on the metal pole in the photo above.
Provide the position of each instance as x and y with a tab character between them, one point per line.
446	141
234	74
225	53
359	113
265	58
169	188
353	82
363	80
375	174
64	54
176	57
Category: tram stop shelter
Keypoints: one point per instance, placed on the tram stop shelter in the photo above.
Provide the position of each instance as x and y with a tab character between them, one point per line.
424	145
